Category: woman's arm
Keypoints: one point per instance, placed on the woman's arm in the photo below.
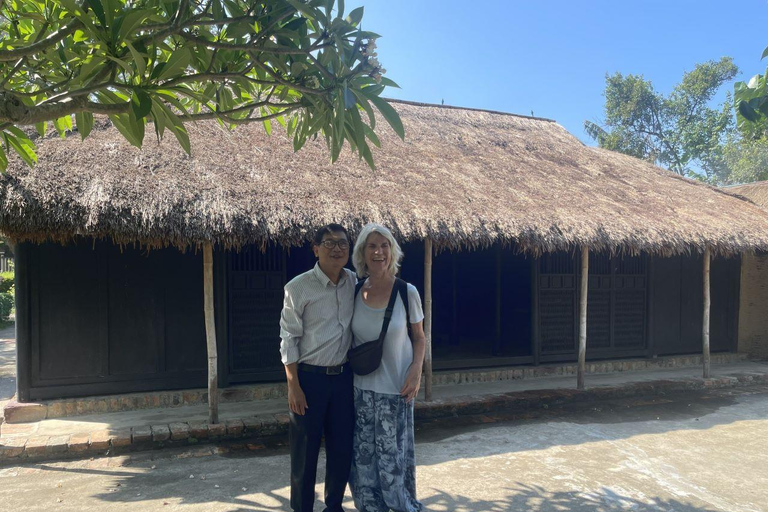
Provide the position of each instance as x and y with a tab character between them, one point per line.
413	379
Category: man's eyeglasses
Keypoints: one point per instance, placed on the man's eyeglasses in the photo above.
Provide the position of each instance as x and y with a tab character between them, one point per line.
330	244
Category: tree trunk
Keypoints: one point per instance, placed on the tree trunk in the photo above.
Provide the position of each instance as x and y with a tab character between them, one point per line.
583	318
428	318
707	304
210	335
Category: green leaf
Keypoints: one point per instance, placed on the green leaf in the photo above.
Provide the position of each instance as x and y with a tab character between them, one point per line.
365	151
268	126
390	114
129	128
302	8
98	10
141	103
123	64
63	124
3	158
41	128
131	21
84	122
388	83
765	53
372	136
747	111
138	59
173	123
356	16
349	98
21	145
176	63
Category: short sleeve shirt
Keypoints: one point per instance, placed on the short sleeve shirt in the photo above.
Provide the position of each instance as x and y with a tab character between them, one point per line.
397	354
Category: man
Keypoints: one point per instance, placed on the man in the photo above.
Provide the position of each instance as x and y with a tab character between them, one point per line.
315	337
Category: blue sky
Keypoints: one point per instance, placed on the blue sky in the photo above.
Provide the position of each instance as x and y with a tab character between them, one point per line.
551	57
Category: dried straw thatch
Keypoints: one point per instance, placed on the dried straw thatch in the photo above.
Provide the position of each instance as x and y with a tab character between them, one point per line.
463	177
756	192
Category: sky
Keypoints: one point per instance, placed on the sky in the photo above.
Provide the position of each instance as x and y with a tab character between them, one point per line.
551	57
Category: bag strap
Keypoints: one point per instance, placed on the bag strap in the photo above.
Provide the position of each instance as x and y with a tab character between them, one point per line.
359	286
402	289
388	312
399	288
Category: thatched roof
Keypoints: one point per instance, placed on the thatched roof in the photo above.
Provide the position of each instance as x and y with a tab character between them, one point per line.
463	177
756	192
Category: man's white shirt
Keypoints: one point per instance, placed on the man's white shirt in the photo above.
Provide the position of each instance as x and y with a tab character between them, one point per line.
316	318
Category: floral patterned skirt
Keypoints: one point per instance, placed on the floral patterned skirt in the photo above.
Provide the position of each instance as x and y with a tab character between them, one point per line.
383	476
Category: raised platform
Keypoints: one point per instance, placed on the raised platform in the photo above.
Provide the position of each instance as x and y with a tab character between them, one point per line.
250	425
16	412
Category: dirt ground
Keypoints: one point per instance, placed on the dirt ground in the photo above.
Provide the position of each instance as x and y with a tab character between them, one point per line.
693	452
7	365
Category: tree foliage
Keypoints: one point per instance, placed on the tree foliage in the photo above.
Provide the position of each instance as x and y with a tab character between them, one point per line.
680	130
751	102
164	63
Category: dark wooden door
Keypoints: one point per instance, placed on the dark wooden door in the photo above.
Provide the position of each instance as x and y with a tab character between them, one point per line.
256	281
616	306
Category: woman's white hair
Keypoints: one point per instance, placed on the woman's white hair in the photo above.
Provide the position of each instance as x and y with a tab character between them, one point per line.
358	254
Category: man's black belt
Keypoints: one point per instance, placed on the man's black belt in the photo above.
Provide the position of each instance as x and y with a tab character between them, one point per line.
328	370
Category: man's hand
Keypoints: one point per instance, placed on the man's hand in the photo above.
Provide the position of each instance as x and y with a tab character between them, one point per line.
412	382
297	402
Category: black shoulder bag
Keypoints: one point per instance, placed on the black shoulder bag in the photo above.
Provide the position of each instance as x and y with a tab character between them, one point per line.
366	357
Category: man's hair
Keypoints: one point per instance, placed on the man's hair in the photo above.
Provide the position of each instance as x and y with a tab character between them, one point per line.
328	228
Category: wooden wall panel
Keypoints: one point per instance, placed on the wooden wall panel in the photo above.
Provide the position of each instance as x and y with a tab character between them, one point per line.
136	312
66	318
185	348
666	305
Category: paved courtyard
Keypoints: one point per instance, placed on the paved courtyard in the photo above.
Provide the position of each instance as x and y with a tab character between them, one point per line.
7	365
693	452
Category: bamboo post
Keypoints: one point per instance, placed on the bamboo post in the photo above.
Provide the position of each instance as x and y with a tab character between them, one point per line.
210	335
428	318
583	318
707	304
497	342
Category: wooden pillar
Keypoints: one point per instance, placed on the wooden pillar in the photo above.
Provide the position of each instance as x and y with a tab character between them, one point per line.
497	342
707	304
428	318
583	318
455	301
210	335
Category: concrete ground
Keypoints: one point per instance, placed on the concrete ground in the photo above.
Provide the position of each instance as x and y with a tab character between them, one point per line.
7	365
692	452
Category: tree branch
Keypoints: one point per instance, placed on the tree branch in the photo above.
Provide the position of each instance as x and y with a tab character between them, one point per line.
212	77
281	81
244	47
38	47
225	116
14	111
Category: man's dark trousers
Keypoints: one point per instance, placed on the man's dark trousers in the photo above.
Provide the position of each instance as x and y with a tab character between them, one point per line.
330	412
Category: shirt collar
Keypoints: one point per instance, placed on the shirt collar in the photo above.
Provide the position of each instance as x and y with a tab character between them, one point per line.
324	279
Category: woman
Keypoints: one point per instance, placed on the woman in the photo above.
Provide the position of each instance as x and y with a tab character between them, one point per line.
383	465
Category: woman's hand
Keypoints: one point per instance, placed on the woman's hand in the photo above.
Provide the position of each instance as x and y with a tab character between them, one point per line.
412	382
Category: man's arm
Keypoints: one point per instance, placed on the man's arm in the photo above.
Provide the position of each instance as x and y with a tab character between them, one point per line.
297	402
291	331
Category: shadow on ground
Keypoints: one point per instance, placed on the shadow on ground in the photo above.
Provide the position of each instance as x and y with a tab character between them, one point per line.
521	497
258	481
538	499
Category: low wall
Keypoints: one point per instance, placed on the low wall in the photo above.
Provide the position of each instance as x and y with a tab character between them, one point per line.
753	306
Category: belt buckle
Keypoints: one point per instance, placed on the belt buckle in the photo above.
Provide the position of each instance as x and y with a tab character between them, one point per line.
334	370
